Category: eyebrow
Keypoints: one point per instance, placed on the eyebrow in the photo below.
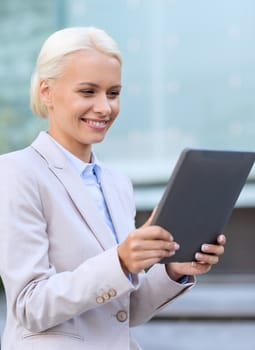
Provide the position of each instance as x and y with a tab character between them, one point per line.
96	85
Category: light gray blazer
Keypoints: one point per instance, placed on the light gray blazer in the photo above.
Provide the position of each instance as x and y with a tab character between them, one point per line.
58	260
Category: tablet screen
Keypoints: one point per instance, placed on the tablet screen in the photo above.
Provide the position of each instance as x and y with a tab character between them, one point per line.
200	196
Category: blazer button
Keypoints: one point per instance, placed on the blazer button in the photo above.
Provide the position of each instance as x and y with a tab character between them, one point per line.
100	300
112	292
121	316
106	296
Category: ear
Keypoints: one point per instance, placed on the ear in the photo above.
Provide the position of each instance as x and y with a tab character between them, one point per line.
45	90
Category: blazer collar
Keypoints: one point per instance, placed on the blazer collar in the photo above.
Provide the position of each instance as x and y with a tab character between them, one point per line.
61	167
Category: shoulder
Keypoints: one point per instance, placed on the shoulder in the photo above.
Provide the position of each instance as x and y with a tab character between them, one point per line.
18	166
17	159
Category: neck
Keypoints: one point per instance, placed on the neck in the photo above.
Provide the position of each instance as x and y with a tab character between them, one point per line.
81	151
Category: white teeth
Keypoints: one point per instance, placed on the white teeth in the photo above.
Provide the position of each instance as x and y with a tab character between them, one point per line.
96	123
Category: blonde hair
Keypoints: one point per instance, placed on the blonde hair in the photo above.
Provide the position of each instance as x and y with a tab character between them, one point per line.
53	54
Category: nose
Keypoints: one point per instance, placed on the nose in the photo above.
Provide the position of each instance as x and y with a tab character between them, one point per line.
102	105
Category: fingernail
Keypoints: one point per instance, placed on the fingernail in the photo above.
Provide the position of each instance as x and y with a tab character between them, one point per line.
205	247
176	246
198	256
222	239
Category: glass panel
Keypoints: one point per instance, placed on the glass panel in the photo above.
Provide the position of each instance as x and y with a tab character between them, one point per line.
24	26
188	78
188	75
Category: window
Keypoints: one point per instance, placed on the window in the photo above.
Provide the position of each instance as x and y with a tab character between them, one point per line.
188	75
188	78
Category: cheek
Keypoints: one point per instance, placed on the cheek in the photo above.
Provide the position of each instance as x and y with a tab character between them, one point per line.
67	100
59	102
82	105
115	109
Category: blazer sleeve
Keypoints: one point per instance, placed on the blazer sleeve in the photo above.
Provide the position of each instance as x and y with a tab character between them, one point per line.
155	292
37	295
40	297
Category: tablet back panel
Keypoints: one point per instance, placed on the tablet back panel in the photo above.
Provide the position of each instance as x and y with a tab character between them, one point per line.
200	197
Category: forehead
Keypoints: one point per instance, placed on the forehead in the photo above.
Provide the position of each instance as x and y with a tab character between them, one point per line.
92	65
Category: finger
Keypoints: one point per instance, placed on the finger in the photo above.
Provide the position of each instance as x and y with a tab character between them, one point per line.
199	268
149	221
207	258
143	259
212	249
190	268
158	254
221	239
154	245
153	232
143	264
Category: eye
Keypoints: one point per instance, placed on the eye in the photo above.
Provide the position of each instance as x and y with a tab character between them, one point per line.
87	92
113	93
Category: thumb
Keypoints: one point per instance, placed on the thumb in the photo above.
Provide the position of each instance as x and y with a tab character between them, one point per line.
148	222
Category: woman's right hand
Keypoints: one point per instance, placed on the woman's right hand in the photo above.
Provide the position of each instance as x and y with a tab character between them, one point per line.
145	246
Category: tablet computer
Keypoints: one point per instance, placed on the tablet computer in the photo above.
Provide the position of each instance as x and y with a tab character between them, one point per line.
200	196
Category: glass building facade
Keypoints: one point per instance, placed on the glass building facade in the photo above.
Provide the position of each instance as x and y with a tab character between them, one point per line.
188	75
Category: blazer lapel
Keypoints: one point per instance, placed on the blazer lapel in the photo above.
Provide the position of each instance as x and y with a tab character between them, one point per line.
60	166
114	203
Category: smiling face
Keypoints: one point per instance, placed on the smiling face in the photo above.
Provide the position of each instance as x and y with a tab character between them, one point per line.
84	101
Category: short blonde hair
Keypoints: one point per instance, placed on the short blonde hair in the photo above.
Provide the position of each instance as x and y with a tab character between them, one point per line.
56	48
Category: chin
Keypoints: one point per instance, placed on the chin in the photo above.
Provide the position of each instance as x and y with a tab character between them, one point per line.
98	140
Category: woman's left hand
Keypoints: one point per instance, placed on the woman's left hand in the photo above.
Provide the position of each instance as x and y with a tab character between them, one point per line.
205	259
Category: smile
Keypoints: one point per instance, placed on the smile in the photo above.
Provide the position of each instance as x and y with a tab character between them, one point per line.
94	123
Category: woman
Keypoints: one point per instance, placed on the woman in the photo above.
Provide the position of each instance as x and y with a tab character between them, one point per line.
71	260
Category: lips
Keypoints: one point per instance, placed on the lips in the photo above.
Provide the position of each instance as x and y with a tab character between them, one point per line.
95	123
